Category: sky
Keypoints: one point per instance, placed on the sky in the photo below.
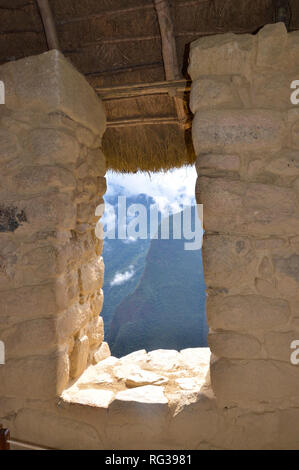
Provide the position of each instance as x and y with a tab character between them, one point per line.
171	190
174	188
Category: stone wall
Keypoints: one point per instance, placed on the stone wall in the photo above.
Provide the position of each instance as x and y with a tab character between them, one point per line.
245	134
51	181
246	137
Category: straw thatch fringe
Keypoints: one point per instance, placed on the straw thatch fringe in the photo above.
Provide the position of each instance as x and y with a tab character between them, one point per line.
147	148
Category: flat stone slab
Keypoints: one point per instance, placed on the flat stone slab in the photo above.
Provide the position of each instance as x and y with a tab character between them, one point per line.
138	357
195	357
188	383
110	361
144	377
91	397
100	379
163	359
149	394
123	371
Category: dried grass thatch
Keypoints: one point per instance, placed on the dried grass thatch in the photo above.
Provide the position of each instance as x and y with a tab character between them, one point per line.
148	148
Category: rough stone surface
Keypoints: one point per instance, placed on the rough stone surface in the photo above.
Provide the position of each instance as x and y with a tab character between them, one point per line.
48	83
247	164
50	275
246	136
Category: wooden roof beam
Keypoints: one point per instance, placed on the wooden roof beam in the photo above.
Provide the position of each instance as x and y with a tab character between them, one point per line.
49	24
169	53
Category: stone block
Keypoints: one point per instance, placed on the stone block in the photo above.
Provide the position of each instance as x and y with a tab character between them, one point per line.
97	161
223	54
35	377
247	313
215	164
284	164
79	356
54	430
278	345
234	345
236	130
92	276
96	332
213	92
230	264
26	303
272	42
252	382
102	353
30	337
9	146
49	83
248	208
37	179
52	146
70	322
47	212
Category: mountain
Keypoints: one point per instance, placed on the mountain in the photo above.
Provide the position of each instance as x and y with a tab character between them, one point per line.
121	257
167	307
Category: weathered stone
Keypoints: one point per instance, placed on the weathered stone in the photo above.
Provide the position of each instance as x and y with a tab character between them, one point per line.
92	276
98	398
50	146
37	179
231	264
225	54
288	429
244	383
195	357
96	303
21	304
295	136
54	431
287	273
35	377
9	146
97	161
102	353
109	362
85	136
143	377
234	206
26	338
67	290
234	346
272	42
121	371
285	164
86	212
247	313
234	130
213	93
71	321
217	163
278	345
92	381
271	90
163	359
189	383
96	332
136	357
148	394
48	212
79	357
49	83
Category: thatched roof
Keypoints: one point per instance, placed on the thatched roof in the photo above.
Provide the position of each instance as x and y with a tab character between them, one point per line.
118	43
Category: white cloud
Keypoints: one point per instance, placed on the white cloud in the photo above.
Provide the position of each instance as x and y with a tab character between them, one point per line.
120	278
172	189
